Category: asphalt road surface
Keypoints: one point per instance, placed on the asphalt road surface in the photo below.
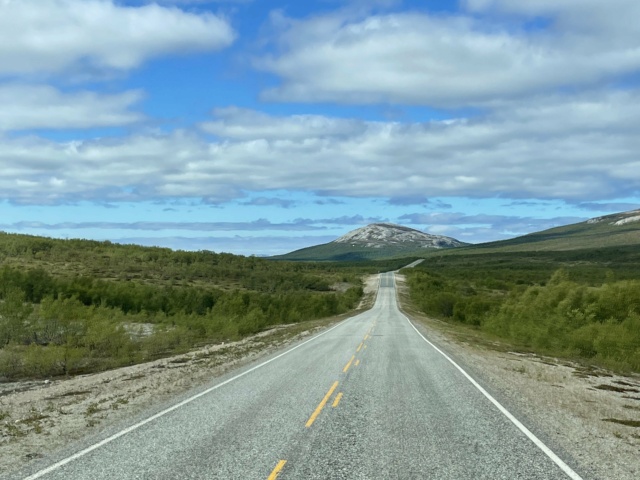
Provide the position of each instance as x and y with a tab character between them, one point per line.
368	399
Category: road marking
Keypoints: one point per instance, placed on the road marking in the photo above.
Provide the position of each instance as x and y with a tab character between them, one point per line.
359	347
276	471
557	460
336	401
357	362
130	429
346	367
366	337
365	346
321	405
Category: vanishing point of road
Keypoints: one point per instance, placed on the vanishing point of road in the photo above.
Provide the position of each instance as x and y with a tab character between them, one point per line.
369	398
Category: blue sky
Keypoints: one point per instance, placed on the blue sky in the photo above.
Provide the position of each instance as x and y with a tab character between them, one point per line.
260	127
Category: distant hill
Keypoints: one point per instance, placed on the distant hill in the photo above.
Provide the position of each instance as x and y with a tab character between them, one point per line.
616	230
374	242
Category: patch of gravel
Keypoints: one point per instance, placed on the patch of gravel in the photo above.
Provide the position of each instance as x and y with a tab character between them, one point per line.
591	413
370	291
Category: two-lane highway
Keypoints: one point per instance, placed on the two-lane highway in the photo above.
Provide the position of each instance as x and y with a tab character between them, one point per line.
369	398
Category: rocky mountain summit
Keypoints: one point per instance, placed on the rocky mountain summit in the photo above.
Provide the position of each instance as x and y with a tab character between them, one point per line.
382	235
618	219
377	241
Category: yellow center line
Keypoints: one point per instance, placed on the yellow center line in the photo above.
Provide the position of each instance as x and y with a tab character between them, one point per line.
276	471
319	408
365	346
357	362
336	401
346	367
366	336
359	347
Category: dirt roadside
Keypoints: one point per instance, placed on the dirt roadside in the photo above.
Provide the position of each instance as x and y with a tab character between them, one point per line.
590	413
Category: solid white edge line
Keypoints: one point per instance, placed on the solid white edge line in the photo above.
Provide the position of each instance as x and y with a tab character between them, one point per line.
113	437
557	460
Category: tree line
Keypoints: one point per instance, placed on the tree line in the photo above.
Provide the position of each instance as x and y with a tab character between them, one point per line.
78	306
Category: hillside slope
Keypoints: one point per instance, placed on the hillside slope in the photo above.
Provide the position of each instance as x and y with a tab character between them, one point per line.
616	230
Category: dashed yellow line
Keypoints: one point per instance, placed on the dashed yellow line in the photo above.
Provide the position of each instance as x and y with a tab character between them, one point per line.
276	471
336	401
357	362
346	367
319	408
359	347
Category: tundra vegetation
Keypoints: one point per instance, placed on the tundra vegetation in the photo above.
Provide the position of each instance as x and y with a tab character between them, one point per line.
582	304
78	306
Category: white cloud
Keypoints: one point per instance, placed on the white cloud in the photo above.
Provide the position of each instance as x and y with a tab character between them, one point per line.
444	60
56	36
612	16
245	124
41	106
575	149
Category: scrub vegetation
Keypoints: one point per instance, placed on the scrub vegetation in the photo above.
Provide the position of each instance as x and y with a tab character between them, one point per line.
78	306
581	304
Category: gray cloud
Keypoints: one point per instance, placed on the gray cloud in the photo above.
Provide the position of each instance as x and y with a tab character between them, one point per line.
257	225
607	207
351	220
417	200
265	202
504	225
329	201
264	246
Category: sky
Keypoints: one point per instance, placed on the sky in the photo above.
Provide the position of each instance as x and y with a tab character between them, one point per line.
258	127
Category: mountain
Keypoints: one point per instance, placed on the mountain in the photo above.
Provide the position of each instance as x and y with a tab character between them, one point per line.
383	235
374	242
616	230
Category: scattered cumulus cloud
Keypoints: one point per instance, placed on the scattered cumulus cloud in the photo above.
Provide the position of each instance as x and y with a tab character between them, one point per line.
329	201
45	37
502	223
266	202
351	220
26	107
417	200
243	245
451	60
257	225
607	207
573	148
541	117
245	124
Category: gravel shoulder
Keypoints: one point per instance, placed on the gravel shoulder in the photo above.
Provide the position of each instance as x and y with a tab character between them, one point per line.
590	413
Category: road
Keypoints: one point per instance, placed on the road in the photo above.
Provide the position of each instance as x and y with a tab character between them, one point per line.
368	399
